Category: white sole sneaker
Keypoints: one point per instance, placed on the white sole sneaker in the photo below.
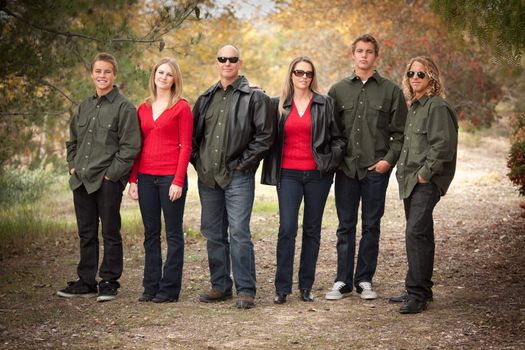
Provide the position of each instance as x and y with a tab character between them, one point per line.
368	295
102	298
336	295
71	295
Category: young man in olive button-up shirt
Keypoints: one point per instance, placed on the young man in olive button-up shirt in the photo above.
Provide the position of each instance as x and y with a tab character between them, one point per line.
424	173
104	140
372	111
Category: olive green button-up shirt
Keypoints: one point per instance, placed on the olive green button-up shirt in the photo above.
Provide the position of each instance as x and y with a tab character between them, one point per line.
104	140
430	147
212	166
373	117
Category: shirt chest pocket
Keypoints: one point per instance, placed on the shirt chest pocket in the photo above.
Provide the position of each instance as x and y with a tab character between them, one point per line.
419	142
347	113
379	112
107	131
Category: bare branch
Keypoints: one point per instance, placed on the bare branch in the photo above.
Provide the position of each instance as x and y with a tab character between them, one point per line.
47	83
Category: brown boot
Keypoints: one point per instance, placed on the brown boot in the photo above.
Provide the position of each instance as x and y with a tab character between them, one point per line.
245	301
215	295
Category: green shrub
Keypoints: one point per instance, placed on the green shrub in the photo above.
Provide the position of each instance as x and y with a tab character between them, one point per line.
516	159
22	187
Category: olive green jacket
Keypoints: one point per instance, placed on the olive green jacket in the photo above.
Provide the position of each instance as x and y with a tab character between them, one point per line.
430	146
104	140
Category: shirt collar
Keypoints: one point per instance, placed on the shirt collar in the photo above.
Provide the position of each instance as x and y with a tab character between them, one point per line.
422	100
110	96
378	78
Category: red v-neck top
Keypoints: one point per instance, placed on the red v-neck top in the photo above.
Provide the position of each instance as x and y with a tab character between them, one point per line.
166	142
297	149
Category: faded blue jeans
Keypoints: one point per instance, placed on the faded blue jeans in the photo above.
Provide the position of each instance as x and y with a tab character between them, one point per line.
225	222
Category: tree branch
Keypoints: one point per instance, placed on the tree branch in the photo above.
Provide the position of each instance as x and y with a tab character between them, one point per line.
69	34
47	83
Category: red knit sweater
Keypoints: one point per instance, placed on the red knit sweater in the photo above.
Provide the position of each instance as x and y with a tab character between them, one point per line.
166	142
297	149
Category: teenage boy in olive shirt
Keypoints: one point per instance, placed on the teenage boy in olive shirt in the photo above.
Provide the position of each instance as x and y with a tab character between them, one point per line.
425	170
104	140
372	111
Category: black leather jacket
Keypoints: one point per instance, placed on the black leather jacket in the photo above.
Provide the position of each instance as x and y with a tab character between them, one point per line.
328	142
249	126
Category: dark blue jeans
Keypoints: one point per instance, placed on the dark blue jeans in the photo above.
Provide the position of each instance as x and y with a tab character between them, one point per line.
371	192
224	210
154	198
103	204
293	186
419	238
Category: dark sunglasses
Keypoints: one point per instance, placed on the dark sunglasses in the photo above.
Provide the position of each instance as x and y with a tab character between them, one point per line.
223	59
302	73
420	75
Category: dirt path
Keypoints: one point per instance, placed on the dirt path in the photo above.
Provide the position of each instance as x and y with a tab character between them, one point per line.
479	277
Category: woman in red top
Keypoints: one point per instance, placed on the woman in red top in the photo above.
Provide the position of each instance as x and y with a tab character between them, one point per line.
158	179
308	149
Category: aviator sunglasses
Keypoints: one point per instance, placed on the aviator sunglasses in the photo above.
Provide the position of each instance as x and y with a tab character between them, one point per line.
301	73
223	59
420	75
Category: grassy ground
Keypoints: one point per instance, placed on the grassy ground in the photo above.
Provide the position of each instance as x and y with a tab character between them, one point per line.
479	279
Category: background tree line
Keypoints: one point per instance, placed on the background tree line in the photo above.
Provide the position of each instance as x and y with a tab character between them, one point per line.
46	46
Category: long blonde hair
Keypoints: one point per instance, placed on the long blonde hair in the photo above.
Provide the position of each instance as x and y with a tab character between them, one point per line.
176	88
287	89
435	84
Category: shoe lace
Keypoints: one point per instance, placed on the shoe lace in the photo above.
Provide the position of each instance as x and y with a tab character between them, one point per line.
338	285
365	285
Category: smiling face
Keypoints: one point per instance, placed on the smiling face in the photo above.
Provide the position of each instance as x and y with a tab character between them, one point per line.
418	85
364	56
164	77
302	82
103	76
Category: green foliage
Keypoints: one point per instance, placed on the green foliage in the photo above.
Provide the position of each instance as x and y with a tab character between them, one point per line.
46	47
499	24
23	187
516	158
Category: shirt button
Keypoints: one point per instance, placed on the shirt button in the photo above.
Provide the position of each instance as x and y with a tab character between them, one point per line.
405	150
358	116
83	168
89	143
414	112
98	106
86	156
93	118
224	98
360	102
220	123
357	143
380	106
215	164
217	136
90	130
357	130
409	124
342	106
407	137
109	125
222	110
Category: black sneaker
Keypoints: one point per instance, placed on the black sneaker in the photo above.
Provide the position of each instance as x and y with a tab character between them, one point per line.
77	289
107	291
